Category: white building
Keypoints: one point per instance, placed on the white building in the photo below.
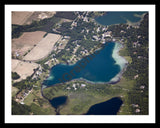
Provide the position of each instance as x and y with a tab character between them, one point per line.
83	85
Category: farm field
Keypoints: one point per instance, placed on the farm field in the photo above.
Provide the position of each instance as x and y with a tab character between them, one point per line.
24	69
26	42
20	17
27	17
43	48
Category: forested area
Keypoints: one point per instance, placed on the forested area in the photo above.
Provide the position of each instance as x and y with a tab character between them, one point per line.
67	15
15	76
137	49
25	84
19	109
78	36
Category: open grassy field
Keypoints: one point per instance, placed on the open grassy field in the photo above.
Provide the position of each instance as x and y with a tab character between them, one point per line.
14	91
79	100
26	42
24	69
43	48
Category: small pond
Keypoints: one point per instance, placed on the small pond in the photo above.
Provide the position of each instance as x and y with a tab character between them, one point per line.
109	107
58	101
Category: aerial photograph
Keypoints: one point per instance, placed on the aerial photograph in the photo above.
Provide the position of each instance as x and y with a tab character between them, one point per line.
79	63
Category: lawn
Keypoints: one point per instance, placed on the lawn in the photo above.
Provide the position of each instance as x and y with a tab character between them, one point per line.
29	99
14	91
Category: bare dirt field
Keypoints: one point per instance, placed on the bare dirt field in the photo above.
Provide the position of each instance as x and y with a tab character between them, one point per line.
43	48
24	69
39	15
26	42
27	17
20	17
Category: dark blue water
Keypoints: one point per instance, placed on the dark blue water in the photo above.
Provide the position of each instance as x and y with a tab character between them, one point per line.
56	102
98	67
118	17
110	107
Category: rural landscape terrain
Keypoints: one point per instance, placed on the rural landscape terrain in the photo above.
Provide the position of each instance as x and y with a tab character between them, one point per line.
42	40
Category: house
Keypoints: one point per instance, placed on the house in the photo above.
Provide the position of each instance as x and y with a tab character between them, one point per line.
85	19
113	39
68	88
137	110
134	53
107	34
142	87
122	31
138	37
135	44
17	54
74	85
22	102
74	24
136	76
98	29
95	37
83	85
104	28
66	37
135	105
139	57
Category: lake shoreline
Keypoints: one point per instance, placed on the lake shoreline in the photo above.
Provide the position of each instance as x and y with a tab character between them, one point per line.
120	60
114	80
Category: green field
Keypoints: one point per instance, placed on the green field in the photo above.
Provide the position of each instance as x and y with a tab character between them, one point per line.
82	98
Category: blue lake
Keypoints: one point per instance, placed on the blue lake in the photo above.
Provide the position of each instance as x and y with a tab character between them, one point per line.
98	67
58	101
102	66
109	107
113	17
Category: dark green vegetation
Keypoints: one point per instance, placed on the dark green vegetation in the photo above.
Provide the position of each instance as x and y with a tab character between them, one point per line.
66	15
24	84
81	35
15	76
137	49
22	109
42	25
18	109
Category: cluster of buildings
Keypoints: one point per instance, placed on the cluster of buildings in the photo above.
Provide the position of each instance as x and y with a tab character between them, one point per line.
83	17
37	72
75	86
22	95
137	108
135	44
52	62
102	38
